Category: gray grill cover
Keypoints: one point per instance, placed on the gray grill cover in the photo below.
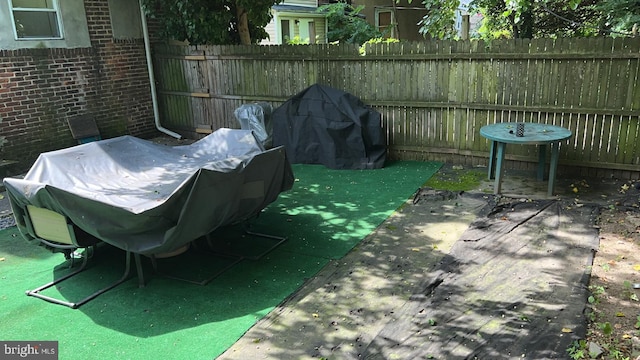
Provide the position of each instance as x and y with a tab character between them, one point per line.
323	125
150	198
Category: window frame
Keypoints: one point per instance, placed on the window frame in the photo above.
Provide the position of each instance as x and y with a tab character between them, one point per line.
289	32
311	28
379	11
55	9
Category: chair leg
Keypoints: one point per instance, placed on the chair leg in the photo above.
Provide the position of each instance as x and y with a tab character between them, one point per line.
141	280
154	263
236	258
74	305
279	241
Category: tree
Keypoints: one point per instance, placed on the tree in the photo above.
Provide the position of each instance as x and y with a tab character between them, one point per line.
559	18
620	16
439	22
220	22
345	24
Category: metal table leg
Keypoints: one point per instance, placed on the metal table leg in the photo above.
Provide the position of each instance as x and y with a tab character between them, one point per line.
492	159
499	167
555	151
542	161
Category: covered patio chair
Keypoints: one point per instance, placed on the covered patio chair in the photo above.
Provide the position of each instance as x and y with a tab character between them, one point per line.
56	232
84	129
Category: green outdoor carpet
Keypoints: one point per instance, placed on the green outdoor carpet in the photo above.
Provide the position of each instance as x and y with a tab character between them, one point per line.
323	217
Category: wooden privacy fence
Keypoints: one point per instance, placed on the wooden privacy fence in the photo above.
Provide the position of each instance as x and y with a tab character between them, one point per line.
433	96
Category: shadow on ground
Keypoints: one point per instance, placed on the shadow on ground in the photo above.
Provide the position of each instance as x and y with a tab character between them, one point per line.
453	277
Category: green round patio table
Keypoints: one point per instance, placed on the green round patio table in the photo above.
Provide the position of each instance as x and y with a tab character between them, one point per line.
542	135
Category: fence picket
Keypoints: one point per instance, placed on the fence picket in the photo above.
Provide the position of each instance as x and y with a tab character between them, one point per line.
434	96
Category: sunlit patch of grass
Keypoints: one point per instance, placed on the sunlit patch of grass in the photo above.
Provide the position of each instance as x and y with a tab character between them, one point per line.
456	180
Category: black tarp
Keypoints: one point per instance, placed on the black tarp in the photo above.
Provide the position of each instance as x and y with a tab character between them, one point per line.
323	125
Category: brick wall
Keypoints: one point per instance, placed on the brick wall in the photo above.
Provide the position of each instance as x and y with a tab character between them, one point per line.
41	88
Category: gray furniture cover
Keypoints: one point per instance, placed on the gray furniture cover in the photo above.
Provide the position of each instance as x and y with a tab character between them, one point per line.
257	117
149	198
323	125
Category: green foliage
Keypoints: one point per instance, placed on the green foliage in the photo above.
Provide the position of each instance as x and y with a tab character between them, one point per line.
628	291
556	18
535	18
457	180
439	22
346	26
380	40
577	350
209	21
596	291
363	47
606	328
620	15
297	40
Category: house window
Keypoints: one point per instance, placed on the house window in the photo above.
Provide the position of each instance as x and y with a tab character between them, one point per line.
385	22
285	31
35	19
312	32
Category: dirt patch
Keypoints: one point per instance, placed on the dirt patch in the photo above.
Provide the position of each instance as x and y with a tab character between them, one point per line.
614	330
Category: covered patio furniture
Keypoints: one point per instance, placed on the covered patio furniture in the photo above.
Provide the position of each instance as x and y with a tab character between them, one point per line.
256	117
54	230
323	125
151	199
84	129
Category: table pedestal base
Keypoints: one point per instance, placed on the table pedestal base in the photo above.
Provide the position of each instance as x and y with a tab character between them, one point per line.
496	159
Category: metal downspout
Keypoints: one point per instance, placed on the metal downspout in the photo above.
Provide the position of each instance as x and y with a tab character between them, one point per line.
154	96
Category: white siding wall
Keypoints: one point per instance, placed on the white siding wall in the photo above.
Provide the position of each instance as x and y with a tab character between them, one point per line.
273	27
271	30
321	30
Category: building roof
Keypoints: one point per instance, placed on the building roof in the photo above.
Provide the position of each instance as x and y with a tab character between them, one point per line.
295	8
